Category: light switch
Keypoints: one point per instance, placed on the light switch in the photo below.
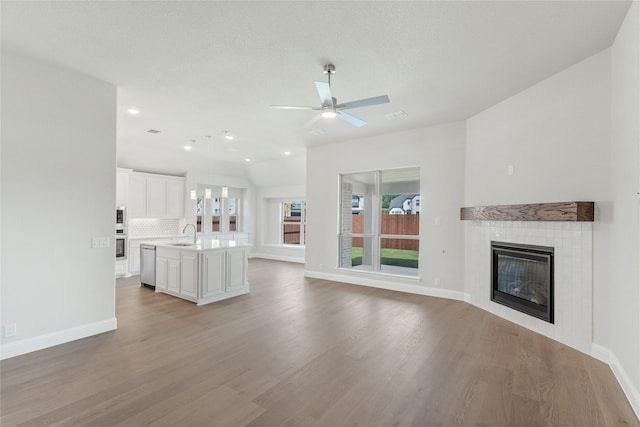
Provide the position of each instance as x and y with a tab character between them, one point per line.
510	170
100	242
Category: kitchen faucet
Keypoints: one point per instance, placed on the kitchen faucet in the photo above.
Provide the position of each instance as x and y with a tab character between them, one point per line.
194	231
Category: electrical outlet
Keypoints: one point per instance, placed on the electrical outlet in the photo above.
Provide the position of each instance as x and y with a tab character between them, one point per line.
437	220
436	281
510	170
10	330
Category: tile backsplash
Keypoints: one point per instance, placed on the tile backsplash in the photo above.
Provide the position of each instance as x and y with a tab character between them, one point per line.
153	226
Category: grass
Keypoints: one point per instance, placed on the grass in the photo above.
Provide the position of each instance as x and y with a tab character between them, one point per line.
397	257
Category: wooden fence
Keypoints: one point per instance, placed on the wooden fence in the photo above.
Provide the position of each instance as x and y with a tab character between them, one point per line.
406	225
292	230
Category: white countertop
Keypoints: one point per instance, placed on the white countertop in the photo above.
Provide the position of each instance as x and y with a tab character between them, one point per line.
201	244
156	236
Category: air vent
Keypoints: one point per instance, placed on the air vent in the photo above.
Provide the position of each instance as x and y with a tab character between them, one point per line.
317	131
153	131
396	115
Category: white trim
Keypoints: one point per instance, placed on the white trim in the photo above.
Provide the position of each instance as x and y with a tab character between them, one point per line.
387	273
601	353
401	287
220	297
278	257
27	345
630	390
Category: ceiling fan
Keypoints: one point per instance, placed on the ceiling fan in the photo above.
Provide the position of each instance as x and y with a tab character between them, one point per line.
330	107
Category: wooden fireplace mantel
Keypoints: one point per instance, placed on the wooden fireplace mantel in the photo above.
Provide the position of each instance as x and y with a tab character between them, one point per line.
561	211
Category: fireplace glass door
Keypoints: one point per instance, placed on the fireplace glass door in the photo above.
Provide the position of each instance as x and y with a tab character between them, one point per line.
522	278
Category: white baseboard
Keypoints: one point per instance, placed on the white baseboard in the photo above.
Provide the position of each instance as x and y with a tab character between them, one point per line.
630	390
278	257
382	284
27	345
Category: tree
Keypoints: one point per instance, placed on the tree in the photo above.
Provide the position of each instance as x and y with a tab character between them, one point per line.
386	199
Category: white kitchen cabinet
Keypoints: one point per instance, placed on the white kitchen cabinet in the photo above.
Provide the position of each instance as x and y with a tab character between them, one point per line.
121	268
189	268
236	269
242	238
173	275
213	277
137	205
161	274
155	196
134	256
122	186
175	198
210	271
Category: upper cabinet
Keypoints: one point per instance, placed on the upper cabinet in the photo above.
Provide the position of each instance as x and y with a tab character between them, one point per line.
155	196
137	196
122	186
175	198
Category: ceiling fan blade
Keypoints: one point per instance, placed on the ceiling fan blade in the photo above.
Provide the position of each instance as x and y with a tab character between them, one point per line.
324	91
350	118
293	107
364	102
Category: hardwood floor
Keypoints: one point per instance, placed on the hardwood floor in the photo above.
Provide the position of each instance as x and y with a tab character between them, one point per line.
307	352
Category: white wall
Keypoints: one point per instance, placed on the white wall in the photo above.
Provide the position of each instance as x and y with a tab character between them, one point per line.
439	152
58	191
267	242
624	283
276	180
556	136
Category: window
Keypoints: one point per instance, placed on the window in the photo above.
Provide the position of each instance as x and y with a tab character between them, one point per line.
293	224
215	213
380	221
232	209
218	214
199	213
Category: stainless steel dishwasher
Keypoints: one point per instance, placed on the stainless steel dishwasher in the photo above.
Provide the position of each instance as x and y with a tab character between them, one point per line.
148	266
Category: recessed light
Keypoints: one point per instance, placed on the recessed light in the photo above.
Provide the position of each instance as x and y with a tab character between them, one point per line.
133	111
188	147
153	131
317	131
247	160
228	135
287	153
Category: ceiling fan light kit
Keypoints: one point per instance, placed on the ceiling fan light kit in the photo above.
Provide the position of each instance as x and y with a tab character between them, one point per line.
330	108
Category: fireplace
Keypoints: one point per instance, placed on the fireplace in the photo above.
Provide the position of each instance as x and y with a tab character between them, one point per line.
522	278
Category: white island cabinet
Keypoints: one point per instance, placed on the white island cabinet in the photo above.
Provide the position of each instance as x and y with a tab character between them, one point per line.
209	271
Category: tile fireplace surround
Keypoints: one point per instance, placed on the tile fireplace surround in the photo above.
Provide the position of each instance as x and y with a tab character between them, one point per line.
573	244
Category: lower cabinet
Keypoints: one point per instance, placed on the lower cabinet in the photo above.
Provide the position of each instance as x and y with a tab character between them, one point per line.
202	277
213	264
189	275
134	257
121	268
161	273
236	269
173	275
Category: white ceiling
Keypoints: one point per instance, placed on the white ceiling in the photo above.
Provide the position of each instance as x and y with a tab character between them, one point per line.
199	68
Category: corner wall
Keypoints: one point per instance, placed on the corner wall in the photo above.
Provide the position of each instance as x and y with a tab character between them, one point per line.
556	136
58	192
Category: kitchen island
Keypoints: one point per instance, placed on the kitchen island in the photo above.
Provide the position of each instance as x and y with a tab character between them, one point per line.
208	271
